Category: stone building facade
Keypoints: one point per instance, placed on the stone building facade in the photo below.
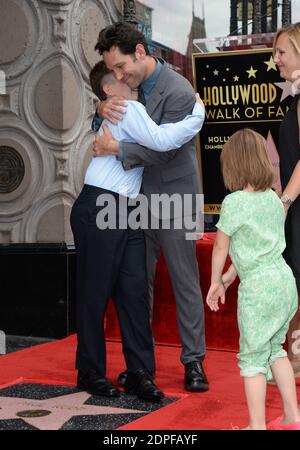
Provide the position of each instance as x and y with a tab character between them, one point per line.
46	106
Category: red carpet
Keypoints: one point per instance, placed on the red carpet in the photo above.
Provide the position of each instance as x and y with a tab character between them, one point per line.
221	407
221	329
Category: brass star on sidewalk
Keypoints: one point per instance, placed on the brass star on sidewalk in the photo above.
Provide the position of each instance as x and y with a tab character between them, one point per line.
271	64
54	412
251	72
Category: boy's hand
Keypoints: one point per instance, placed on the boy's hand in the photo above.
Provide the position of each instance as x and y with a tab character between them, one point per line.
107	109
215	292
199	100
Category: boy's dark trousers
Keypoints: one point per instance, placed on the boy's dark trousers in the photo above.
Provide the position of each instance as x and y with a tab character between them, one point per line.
110	263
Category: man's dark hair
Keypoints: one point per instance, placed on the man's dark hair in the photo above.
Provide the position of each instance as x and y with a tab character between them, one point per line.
122	35
97	74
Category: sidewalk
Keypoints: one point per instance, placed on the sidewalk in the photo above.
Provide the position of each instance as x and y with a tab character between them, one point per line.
15	343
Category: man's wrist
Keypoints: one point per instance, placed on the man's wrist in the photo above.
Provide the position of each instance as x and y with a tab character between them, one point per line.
114	147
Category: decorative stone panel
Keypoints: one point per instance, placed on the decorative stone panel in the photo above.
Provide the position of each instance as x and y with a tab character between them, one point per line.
46	107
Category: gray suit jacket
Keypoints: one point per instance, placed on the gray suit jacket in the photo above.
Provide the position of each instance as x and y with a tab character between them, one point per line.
175	171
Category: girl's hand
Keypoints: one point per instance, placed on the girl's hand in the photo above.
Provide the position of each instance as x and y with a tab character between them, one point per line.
228	278
215	292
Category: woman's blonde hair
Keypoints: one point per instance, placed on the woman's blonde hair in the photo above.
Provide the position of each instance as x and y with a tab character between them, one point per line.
293	32
244	160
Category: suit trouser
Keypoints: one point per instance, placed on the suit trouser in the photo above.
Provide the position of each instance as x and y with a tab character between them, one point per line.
110	263
181	260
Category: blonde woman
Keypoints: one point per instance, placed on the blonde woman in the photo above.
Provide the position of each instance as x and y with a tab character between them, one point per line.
287	58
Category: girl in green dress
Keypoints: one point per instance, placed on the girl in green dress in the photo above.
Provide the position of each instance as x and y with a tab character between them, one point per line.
251	230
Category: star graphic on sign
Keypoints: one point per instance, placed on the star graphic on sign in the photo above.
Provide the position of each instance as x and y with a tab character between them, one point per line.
227	69
251	72
207	66
216	72
236	78
58	410
271	64
286	87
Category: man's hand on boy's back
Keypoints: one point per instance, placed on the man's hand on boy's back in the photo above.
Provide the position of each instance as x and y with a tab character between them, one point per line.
105	145
109	108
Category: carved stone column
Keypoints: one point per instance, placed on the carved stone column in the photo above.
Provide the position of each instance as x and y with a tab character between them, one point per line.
129	11
257	13
286	12
233	17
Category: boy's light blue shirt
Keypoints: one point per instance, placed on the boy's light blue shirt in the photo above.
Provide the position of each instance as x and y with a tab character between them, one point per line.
137	127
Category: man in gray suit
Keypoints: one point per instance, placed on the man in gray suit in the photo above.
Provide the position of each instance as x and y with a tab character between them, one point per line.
169	97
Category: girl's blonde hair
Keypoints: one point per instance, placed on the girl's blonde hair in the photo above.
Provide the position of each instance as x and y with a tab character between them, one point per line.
293	32
244	160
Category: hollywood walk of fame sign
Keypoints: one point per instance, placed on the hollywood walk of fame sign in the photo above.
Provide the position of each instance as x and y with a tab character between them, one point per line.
240	89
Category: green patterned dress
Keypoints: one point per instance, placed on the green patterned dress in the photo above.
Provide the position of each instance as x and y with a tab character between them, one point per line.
267	295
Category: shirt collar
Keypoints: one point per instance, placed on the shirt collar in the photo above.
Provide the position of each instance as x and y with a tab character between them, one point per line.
150	82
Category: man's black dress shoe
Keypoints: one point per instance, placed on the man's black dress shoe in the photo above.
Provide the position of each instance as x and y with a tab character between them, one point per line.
140	383
195	379
91	382
123	375
122	378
